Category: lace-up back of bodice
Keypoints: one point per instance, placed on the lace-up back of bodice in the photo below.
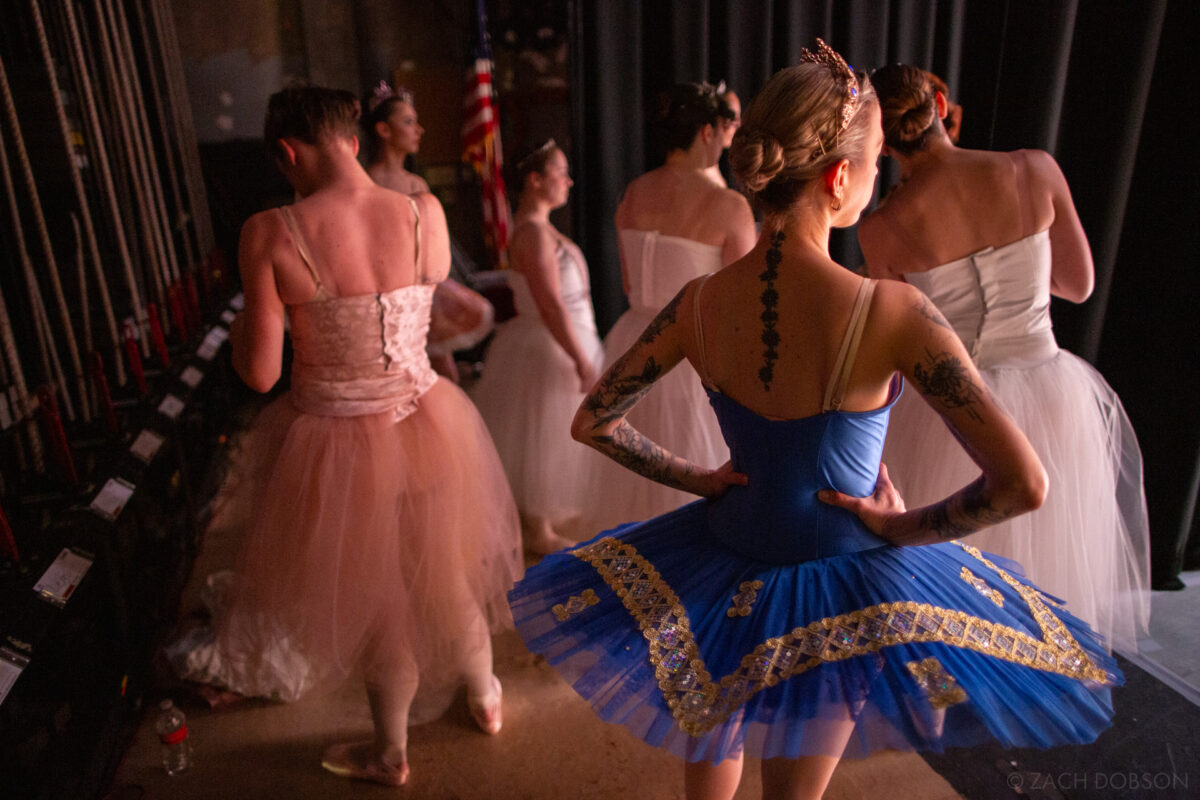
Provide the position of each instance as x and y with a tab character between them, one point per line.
658	265
998	301
363	354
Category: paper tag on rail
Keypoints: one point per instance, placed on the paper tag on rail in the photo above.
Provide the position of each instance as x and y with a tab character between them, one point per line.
60	581
145	446
171	407
11	665
191	376
112	498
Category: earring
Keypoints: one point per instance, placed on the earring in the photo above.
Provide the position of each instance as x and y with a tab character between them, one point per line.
837	204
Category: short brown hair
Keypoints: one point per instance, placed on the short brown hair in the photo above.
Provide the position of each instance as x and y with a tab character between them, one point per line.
310	114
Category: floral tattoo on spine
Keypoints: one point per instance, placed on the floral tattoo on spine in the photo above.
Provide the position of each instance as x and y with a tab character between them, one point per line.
769	316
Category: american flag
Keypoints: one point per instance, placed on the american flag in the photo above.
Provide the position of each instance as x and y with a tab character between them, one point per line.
481	142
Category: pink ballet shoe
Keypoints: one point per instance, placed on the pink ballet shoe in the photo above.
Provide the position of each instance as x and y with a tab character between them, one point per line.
357	760
487	715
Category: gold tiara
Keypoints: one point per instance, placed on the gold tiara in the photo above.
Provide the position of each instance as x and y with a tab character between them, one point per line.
828	56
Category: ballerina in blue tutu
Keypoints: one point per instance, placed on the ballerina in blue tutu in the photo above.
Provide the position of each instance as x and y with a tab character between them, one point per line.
798	613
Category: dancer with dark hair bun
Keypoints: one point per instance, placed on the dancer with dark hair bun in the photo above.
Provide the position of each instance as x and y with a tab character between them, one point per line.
360	556
799	612
989	237
541	362
673	225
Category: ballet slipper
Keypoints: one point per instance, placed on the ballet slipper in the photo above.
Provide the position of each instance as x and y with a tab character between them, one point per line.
487	715
358	760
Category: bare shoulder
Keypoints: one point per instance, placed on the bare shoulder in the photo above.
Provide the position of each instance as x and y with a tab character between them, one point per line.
1043	169
430	209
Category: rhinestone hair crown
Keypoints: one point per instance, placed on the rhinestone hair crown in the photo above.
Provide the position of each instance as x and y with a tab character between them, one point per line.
383	92
828	56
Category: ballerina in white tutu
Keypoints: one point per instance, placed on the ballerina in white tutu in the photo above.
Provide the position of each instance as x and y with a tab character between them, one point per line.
673	224
540	363
989	237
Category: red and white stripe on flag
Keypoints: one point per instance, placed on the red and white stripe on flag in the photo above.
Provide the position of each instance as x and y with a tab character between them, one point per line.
481	142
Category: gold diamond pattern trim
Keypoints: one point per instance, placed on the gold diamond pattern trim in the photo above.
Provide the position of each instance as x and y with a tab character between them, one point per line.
939	685
982	587
699	703
743	601
575	604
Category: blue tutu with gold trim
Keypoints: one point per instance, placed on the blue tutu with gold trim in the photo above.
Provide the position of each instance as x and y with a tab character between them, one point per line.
685	631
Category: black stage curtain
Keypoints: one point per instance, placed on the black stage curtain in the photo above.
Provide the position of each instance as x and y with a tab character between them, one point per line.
1105	87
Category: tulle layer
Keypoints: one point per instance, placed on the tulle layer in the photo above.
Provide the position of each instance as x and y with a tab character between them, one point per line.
1089	543
704	653
528	394
369	544
675	414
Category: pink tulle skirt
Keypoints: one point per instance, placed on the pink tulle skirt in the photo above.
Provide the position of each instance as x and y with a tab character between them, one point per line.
372	546
1089	542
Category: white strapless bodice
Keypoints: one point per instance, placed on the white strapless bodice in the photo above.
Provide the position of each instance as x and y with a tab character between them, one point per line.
362	354
574	287
659	265
997	301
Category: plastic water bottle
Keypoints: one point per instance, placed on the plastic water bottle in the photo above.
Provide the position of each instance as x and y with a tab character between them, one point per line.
171	727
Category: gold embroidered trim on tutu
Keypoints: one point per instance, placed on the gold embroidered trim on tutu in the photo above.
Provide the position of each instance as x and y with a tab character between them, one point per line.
940	685
743	601
981	586
575	604
699	703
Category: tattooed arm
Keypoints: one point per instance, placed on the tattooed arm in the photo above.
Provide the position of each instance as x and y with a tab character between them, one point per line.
934	360
600	421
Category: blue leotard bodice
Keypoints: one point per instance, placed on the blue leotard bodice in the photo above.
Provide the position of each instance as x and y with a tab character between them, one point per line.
777	517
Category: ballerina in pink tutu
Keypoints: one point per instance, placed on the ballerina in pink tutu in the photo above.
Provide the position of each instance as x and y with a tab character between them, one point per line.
359	554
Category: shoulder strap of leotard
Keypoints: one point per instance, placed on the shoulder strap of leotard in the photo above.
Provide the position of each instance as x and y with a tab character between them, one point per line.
416	239
835	390
700	331
302	249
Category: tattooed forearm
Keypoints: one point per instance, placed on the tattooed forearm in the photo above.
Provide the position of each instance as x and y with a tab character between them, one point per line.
664	320
769	316
930	312
945	378
967	511
632	450
615	394
619	390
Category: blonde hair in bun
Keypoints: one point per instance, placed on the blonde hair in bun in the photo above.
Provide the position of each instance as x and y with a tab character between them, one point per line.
792	132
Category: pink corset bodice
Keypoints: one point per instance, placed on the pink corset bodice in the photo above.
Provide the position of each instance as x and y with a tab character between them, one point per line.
363	354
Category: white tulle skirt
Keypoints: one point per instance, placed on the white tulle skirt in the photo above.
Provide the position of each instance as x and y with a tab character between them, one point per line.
675	414
527	395
1089	542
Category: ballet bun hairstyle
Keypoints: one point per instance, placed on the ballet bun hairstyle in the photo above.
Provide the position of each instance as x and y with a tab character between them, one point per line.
683	110
533	160
908	102
380	103
310	114
805	120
